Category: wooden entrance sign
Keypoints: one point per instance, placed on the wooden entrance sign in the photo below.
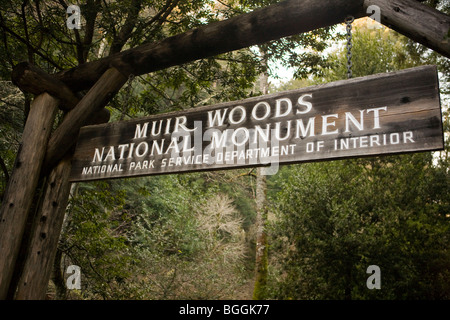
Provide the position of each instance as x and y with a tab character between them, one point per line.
374	115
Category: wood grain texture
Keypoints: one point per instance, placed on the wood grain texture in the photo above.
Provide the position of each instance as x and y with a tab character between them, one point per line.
22	184
410	122
31	79
38	264
417	21
97	97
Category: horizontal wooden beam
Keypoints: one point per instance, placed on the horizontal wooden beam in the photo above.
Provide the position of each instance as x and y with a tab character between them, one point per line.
32	79
417	21
411	18
282	19
22	184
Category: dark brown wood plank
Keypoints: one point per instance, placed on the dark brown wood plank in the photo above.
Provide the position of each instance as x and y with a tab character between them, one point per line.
380	114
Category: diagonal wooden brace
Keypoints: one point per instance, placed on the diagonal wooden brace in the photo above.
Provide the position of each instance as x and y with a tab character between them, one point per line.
65	136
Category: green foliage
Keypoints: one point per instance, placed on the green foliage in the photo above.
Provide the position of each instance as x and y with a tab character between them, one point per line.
374	51
335	219
95	236
165	237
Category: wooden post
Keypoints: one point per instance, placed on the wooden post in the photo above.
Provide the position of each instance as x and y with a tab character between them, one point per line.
44	241
22	184
47	226
417	21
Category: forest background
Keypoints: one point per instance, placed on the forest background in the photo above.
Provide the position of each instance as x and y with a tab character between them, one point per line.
193	236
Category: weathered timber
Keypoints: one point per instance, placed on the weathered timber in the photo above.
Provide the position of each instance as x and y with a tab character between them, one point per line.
273	22
40	255
97	97
44	241
32	79
417	21
374	115
22	184
99	117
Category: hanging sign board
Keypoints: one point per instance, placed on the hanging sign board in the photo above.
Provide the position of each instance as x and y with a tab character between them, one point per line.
376	115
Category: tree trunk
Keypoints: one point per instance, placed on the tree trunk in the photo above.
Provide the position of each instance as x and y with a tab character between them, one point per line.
261	256
24	179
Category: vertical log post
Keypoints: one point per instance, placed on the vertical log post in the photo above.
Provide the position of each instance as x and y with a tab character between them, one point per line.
22	184
47	227
29	167
38	265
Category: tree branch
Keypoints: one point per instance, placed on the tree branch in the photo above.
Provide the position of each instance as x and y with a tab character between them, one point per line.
127	28
4	169
91	15
25	28
29	46
5	42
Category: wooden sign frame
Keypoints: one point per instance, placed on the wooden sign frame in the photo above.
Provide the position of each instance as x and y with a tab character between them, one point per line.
375	115
40	157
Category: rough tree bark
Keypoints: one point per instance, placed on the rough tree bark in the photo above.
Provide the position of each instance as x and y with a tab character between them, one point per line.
261	252
22	184
40	257
38	265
